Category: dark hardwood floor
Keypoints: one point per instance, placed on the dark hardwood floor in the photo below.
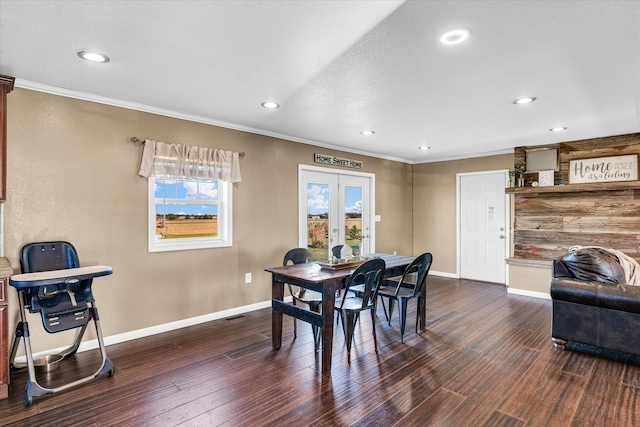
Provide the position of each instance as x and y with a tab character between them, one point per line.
485	359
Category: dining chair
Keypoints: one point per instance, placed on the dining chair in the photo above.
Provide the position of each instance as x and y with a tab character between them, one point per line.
342	251
312	298
350	305
406	287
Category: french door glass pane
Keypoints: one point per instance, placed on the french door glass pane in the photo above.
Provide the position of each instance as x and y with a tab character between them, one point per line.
353	217
318	220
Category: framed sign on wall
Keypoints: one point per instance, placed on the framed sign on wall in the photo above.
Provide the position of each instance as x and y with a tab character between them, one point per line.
604	169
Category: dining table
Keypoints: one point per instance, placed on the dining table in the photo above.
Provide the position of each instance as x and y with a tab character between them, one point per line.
326	280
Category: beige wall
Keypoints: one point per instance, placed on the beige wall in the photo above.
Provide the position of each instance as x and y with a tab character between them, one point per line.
72	175
534	279
434	205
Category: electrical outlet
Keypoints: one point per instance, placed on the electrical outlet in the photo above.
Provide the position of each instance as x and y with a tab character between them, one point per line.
247	278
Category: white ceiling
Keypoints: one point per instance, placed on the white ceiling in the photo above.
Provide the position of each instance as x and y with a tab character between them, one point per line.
338	67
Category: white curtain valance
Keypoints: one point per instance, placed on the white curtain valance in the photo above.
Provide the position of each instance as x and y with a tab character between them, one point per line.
179	161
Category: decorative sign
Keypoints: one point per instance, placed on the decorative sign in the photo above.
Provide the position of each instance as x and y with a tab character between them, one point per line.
338	161
604	169
545	178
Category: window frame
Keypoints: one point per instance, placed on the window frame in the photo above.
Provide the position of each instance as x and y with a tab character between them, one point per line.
225	222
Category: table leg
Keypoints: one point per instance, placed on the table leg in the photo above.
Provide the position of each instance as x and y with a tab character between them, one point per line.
277	293
328	301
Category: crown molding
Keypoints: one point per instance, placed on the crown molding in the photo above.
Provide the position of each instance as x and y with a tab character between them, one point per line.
54	90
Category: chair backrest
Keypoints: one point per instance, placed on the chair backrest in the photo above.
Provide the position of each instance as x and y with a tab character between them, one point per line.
47	256
370	275
342	251
297	256
419	268
54	300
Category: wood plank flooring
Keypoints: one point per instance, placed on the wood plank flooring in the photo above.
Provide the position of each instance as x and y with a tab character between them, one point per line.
484	359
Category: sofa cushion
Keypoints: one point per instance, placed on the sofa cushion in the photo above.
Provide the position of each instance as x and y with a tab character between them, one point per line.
594	264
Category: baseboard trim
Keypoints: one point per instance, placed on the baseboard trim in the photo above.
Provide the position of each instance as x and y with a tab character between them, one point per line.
443	274
153	330
526	293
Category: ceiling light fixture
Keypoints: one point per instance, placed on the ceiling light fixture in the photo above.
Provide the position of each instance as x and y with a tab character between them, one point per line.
270	105
367	132
455	36
424	148
524	100
93	56
558	129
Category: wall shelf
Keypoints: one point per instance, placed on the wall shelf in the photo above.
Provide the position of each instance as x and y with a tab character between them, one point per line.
576	188
526	262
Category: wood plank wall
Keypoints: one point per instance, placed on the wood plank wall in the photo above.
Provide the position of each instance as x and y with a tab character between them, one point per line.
547	223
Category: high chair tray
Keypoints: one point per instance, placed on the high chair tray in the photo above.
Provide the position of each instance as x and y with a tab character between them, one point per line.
55	277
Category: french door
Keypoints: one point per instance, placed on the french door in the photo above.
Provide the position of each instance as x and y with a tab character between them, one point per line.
335	208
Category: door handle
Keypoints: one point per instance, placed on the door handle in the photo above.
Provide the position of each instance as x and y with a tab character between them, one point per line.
501	236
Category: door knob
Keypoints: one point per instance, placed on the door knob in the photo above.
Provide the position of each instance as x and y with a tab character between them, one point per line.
501	236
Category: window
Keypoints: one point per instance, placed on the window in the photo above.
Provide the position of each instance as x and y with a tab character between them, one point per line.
189	214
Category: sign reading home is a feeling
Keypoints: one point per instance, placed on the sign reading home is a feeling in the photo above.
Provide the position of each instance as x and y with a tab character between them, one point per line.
604	169
337	161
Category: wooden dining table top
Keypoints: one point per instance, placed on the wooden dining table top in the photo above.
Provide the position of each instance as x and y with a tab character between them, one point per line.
314	272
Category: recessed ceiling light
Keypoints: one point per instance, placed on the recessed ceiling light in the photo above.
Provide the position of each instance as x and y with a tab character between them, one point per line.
270	105
367	132
455	36
424	148
524	100
558	129
93	56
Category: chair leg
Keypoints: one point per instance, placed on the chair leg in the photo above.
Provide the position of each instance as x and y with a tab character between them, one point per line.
417	313
348	322
373	326
295	323
402	306
386	316
316	331
391	303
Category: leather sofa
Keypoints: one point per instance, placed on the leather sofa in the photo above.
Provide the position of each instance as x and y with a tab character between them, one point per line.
593	304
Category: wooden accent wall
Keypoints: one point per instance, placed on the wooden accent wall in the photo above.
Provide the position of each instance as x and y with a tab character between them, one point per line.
549	220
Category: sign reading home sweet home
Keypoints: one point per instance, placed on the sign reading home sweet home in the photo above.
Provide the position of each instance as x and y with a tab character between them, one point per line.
604	169
338	161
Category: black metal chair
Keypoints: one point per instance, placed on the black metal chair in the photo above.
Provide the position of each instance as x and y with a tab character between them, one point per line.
312	298
60	291
350	305
406	287
342	251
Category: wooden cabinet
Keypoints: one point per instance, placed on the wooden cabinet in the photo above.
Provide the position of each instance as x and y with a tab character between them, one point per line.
6	86
5	272
4	339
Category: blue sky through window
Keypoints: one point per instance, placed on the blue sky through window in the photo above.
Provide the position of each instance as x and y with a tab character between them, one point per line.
318	198
186	190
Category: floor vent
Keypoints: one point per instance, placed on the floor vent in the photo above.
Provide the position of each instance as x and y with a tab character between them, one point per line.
239	316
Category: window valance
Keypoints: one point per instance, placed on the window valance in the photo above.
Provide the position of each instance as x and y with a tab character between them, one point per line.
179	161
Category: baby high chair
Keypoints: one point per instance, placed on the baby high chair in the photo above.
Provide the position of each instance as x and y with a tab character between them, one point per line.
54	285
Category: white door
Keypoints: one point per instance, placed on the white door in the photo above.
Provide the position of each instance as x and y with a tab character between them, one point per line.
334	209
483	226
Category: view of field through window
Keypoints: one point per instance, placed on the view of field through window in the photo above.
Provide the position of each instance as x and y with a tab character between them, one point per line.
186	209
